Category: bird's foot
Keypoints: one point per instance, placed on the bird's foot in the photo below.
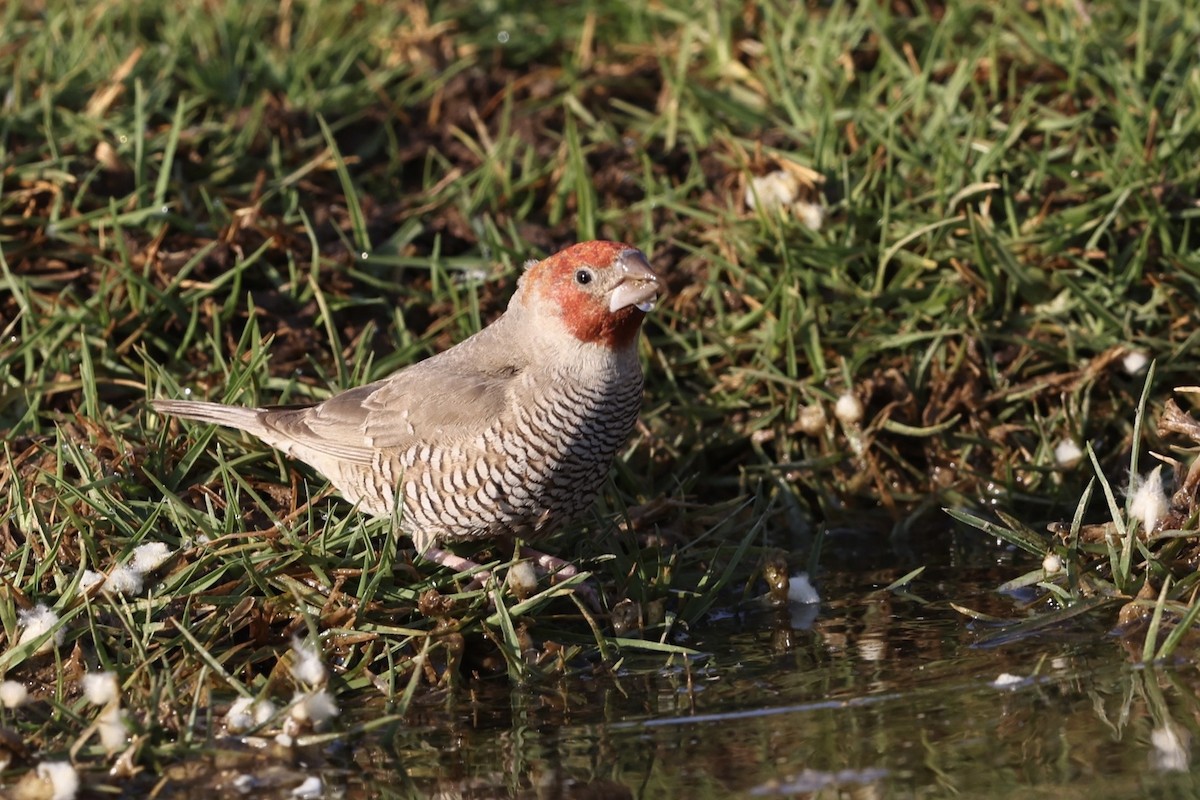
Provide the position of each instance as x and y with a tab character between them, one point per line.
559	571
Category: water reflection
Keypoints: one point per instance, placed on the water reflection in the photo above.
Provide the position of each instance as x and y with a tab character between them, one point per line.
879	695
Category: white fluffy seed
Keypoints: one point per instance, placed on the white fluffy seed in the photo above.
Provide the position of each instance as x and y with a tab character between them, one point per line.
773	190
307	666
1067	453
246	713
124	580
848	409
316	707
1052	564
812	420
263	711
801	590
100	688
114	733
36	621
811	215
522	579
1171	753
149	557
238	718
90	578
63	780
1135	362
13	694
1150	502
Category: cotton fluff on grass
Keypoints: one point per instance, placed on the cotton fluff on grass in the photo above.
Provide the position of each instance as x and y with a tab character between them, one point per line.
307	666
772	191
311	707
1006	680
1067	453
1150	502
812	420
801	590
113	728
129	578
1171	752
247	713
848	409
522	579
13	694
36	621
149	557
124	580
1135	362
779	191
50	780
316	707
100	688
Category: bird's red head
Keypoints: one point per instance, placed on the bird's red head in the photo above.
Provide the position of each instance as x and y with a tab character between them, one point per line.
600	290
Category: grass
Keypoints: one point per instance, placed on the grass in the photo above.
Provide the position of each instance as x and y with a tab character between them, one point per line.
268	205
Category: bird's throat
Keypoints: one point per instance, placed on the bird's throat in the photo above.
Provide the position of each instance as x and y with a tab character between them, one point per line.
615	330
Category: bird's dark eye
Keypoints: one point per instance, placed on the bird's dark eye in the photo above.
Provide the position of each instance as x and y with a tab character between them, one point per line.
583	277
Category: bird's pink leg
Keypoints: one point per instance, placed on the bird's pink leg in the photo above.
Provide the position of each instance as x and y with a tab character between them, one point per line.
560	571
457	563
555	566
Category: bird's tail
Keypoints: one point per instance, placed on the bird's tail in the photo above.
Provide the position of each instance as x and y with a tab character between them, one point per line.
246	419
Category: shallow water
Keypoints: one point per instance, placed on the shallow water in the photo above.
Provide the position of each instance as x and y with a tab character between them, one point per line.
872	694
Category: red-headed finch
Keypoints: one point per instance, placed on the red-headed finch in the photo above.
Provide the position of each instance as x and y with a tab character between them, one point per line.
509	433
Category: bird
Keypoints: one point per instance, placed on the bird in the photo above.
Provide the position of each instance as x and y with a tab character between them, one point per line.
508	434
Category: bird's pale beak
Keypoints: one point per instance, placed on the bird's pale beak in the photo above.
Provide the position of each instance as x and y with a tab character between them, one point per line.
639	285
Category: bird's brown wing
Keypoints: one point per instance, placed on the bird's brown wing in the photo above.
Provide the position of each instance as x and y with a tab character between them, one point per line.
414	405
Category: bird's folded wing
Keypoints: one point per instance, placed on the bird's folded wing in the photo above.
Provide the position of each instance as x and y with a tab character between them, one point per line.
410	407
